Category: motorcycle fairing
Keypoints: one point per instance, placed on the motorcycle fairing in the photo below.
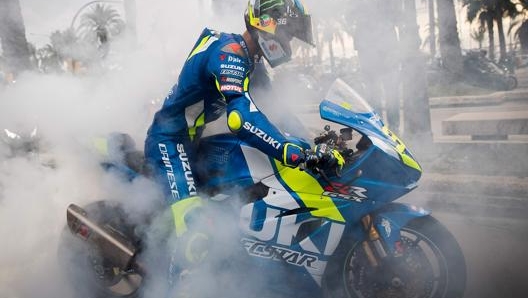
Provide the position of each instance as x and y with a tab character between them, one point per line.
390	218
369	124
306	189
300	241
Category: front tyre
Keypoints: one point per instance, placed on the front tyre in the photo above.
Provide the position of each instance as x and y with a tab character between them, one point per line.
432	266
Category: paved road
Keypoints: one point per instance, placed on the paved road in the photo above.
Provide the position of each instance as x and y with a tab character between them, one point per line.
494	241
495	250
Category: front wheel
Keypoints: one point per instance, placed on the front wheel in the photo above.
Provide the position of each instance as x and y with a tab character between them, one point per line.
432	266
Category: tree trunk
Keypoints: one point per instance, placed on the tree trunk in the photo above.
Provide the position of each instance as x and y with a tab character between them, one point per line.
500	31
448	36
13	36
417	119
491	38
432	29
332	57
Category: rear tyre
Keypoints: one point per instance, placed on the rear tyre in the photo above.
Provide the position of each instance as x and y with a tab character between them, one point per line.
432	266
90	274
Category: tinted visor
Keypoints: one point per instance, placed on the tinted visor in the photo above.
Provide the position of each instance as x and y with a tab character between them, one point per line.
301	28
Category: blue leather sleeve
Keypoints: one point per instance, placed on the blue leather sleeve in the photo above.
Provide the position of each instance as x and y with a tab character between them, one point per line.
231	72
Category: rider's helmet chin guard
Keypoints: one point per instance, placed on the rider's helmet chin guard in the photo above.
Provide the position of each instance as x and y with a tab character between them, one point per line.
274	23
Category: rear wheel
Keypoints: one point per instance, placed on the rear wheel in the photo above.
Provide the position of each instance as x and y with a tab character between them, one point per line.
432	266
92	275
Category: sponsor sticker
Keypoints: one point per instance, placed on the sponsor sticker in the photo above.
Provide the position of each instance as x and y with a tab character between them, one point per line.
230	88
231	66
278	253
235	73
230	80
234	59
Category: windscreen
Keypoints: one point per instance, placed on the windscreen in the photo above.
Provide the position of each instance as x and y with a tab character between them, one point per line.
340	93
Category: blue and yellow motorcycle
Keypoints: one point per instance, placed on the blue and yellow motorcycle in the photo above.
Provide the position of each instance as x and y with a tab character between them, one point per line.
335	232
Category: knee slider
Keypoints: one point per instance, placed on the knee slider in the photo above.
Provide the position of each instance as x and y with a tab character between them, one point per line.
234	121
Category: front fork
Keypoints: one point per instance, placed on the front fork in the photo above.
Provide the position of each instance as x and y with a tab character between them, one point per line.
373	245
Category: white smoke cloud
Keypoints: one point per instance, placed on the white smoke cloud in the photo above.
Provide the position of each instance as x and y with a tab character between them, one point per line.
69	112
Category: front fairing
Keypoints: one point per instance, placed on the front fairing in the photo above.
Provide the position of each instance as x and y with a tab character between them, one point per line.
345	106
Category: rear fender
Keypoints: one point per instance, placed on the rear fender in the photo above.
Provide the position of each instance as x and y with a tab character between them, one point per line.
391	218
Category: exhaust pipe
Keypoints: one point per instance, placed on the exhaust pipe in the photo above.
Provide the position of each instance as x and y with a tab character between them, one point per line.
111	244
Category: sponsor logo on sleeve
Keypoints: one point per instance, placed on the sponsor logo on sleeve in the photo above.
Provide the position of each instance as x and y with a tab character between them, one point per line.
231	66
230	80
230	88
235	73
234	59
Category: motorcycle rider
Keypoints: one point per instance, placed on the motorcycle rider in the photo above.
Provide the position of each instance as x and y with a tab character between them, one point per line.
216	78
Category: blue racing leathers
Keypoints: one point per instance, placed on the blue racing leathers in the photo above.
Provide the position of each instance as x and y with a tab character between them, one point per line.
213	80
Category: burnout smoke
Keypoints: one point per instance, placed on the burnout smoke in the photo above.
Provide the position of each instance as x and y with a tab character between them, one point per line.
71	112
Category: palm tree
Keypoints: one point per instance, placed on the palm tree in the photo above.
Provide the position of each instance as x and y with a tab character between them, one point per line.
430	38
504	8
450	49
13	35
48	59
417	118
100	25
488	12
478	35
479	9
432	28
521	26
332	31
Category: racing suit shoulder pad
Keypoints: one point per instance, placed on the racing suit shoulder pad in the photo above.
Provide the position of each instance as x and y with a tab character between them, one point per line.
234	48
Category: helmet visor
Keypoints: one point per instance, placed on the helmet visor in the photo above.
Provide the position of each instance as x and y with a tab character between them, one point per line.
301	28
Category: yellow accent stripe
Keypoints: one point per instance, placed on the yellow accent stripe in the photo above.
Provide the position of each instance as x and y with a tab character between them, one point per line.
400	148
199	47
180	209
200	121
246	84
346	105
310	192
